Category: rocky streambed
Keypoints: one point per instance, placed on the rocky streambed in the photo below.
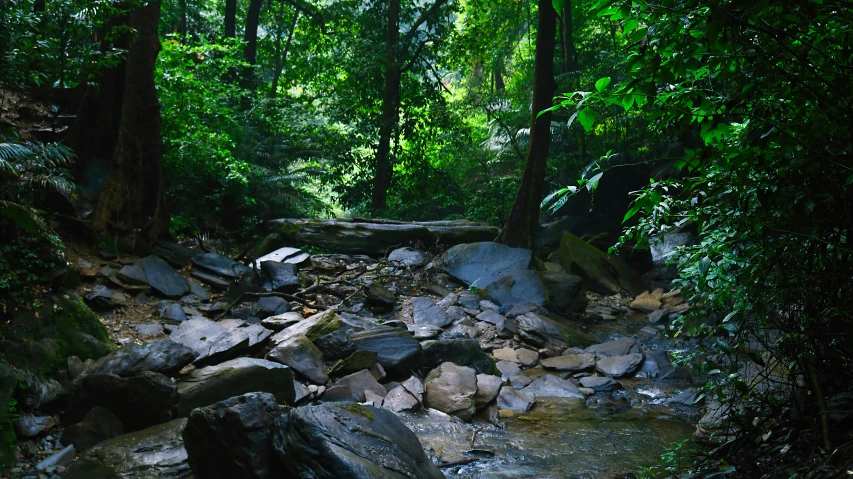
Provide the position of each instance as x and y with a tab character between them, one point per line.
472	364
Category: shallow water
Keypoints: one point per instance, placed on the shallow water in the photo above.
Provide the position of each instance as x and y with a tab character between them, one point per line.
608	437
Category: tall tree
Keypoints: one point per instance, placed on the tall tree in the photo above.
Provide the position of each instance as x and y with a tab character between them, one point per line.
231	18
250	35
132	201
520	227
391	96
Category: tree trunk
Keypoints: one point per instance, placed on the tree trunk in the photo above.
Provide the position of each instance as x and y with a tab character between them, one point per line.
281	60
520	228
569	52
250	36
390	102
231	18
133	197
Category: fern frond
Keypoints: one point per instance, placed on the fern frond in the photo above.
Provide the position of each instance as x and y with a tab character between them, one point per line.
21	216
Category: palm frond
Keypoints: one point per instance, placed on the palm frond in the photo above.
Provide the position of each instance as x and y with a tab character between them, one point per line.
21	216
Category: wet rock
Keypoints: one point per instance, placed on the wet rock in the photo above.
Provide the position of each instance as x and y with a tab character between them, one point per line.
212	384
176	255
565	291
231	438
60	458
570	362
220	265
332	441
425	311
618	366
355	362
211	279
488	387
600	383
281	321
270	306
514	400
410	257
423	331
397	351
138	401
353	387
156	273
463	352
552	386
302	356
31	426
99	425
482	263
154	453
451	389
618	347
379	297
648	302
280	276
544	332
517	287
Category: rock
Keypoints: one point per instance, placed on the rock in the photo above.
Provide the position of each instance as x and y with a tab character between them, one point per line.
355	362
527	357
506	354
332	441
488	387
60	458
31	426
212	384
600	383
552	386
270	306
688	397
469	300
407	396
281	255
544	332
154	453
508	369
570	362
353	387
199	291
220	265
409	257
604	274
522	308
231	438
99	425
214	342
486	305
156	273
280	276
379	297
300	393
423	331
565	291
397	351
451	389
618	366
210	279
176	255
425	311
302	356
149	329
506	327
138	401
463	352
314	327
517	287
482	263
101	298
656	316
618	347
174	313
513	400
648	302
281	321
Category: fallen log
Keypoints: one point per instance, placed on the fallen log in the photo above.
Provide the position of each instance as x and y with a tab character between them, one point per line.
378	238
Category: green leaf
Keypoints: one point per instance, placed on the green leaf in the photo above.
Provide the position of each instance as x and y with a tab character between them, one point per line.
558	6
627	102
593	182
602	83
587	118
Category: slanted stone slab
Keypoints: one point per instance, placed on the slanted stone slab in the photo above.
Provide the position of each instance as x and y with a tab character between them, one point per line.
157	274
279	255
552	386
214	342
515	400
617	347
280	276
482	263
542	331
220	265
488	387
570	362
163	356
212	384
302	356
397	351
425	311
522	286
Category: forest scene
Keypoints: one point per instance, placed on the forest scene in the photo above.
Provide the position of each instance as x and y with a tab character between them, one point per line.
464	239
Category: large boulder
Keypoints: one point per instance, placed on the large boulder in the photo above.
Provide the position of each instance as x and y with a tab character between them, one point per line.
425	311
481	263
516	287
565	291
602	273
302	356
463	352
163	356
138	401
232	438
156	273
545	332
99	425
154	453
451	389
346	440
397	351
212	384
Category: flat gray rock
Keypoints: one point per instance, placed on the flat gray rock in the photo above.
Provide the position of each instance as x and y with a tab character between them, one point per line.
600	383
279	256
482	263
280	276
220	265
618	366
423	331
215	342
541	331
156	273
353	387
570	362
409	257
618	347
162	356
552	386
515	400
425	311
521	286
397	351
463	352
303	357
